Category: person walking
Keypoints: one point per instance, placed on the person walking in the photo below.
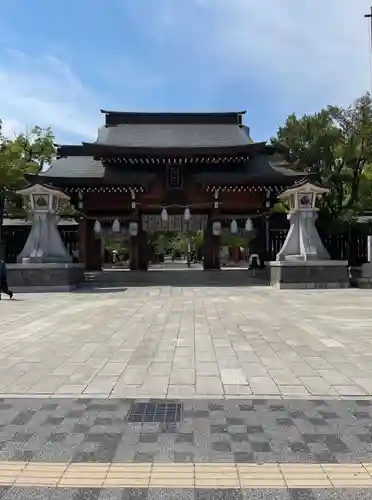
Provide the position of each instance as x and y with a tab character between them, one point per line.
4	280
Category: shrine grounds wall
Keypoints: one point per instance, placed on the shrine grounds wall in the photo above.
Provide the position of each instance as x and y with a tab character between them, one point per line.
348	244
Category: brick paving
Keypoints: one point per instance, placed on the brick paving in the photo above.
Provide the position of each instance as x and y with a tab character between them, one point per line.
18	493
188	343
257	431
88	448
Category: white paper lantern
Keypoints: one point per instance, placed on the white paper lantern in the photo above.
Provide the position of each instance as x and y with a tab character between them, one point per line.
234	226
248	225
116	226
164	215
216	228
187	214
133	228
97	227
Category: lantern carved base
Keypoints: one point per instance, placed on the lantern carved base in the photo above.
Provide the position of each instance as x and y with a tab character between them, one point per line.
309	274
44	243
45	277
303	242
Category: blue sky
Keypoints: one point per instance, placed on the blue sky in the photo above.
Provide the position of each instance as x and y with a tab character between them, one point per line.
61	61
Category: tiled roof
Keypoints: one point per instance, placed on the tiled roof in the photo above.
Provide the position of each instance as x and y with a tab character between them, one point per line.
86	168
258	169
174	136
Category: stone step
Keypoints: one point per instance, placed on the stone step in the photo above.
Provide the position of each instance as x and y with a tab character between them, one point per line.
236	277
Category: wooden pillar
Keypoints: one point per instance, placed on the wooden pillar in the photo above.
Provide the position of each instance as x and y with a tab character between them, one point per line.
211	247
134	255
259	243
139	254
82	240
134	252
93	257
143	250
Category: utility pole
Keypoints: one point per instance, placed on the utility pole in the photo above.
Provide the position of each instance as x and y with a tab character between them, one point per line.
369	16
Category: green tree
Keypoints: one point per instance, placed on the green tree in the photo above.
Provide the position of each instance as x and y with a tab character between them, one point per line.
335	146
161	241
198	240
27	152
179	243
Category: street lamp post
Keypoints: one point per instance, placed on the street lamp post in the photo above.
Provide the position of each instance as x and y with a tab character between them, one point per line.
369	16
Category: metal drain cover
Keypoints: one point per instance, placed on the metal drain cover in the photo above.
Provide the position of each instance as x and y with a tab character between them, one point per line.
155	412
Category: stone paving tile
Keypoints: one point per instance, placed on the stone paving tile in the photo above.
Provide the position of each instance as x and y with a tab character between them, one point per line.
91	430
114	344
27	493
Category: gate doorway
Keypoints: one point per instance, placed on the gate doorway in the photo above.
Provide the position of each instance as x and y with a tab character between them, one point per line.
176	250
169	242
175	241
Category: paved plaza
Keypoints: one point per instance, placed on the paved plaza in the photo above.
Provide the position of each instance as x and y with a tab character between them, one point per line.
187	343
163	393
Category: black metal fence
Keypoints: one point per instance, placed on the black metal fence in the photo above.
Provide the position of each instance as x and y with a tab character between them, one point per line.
71	239
348	245
351	245
15	239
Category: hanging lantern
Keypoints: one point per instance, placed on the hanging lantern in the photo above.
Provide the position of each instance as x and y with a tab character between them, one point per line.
164	215
80	203
97	227
187	214
216	228
234	226
133	229
116	226
248	225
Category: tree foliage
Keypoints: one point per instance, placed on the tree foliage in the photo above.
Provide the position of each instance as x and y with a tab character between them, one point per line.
198	240
179	243
335	146
27	152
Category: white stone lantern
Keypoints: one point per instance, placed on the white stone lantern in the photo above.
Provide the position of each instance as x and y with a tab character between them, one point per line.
302	196
44	244
42	199
303	242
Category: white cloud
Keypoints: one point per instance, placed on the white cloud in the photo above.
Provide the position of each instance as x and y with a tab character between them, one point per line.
307	52
44	91
310	50
300	54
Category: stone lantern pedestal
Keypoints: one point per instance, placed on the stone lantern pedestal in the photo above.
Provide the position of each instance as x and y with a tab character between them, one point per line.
44	263
303	262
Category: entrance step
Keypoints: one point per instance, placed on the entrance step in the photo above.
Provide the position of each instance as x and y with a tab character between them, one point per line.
178	278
